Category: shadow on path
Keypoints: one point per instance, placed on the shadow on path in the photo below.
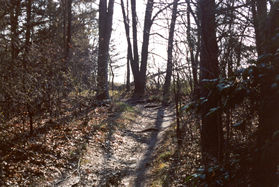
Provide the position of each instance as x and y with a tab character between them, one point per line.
147	158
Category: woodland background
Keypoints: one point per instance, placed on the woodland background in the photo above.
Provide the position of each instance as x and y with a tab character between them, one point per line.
221	75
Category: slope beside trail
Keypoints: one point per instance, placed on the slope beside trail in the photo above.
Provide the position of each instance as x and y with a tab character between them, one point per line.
124	155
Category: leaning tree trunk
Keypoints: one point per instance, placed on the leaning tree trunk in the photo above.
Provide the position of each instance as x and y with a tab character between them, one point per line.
211	132
105	29
132	51
166	92
141	79
128	48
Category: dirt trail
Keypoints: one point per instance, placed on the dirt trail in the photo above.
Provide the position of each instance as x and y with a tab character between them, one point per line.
124	158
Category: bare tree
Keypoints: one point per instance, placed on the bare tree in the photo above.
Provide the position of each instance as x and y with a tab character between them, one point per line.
194	62
14	19
69	31
266	164
259	9
211	132
105	29
166	92
138	69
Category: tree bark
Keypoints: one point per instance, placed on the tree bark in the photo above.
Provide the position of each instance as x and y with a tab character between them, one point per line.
259	10
69	31
166	92
133	62
64	7
105	29
128	86
14	16
140	89
211	132
268	142
135	37
129	48
191	48
28	25
138	70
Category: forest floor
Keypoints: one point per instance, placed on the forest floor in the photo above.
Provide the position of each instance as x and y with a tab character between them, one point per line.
124	143
111	145
124	149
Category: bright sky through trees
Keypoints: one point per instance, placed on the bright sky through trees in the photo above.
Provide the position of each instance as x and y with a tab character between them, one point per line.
158	47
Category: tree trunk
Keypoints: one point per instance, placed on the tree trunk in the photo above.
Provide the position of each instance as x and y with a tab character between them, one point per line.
14	16
69	31
129	48
64	7
177	109
133	62
135	36
105	29
112	74
166	93
211	133
139	72
28	25
128	59
140	90
128	73
259	9
191	48
268	142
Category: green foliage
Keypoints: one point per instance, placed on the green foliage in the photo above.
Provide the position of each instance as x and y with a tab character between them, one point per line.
231	92
250	85
165	155
122	107
212	176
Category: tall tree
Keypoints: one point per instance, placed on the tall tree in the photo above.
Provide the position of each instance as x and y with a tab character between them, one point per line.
128	85
128	59
259	10
211	132
126	22
140	84
28	24
191	49
69	31
14	21
166	92
64	18
268	139
138	68
105	29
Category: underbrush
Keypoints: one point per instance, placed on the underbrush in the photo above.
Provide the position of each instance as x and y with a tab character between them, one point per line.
58	141
163	159
183	166
54	147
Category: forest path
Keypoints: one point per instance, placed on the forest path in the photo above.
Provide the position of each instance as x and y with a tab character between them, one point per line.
124	157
